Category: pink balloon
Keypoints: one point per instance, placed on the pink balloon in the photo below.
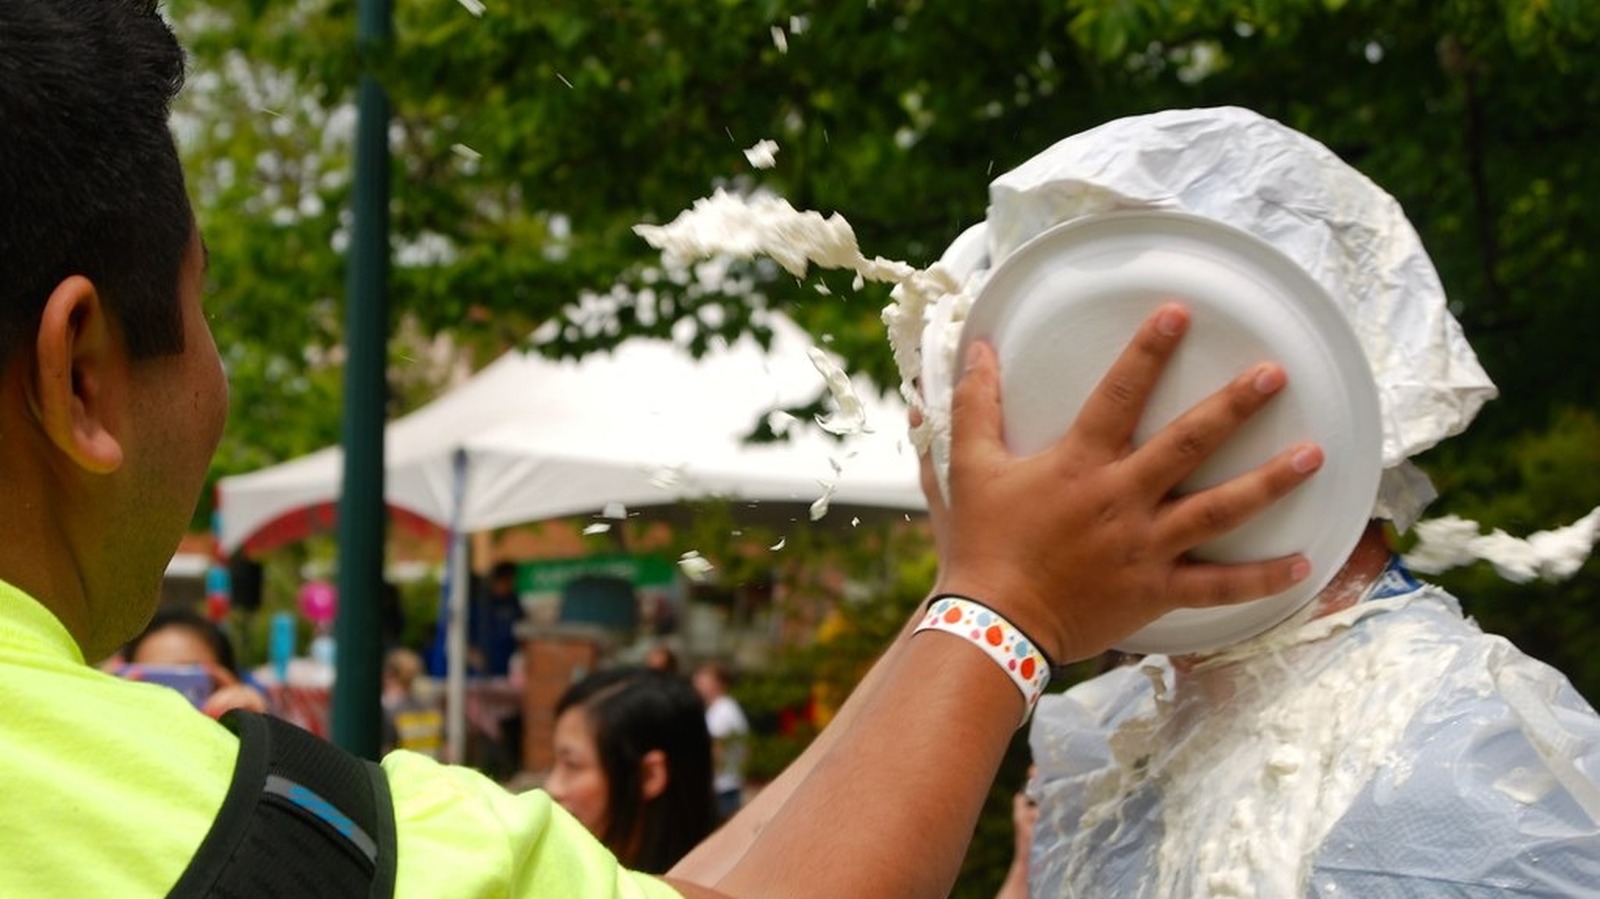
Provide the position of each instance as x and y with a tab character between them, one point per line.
319	601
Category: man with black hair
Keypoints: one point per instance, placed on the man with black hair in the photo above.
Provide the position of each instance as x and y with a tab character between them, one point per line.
112	400
492	623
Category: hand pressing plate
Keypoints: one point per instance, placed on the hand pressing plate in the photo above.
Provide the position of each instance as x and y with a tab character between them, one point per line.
1060	309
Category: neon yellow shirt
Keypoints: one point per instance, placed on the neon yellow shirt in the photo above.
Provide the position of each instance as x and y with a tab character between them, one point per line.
109	786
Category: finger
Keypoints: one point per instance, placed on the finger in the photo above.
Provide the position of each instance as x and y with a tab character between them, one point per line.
1174	452
975	423
1199	584
927	476
928	479
1112	410
220	676
237	696
1193	519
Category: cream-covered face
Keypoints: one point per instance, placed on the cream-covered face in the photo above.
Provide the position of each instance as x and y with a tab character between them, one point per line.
578	781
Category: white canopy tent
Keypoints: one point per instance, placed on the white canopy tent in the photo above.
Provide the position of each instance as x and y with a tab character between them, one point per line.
529	438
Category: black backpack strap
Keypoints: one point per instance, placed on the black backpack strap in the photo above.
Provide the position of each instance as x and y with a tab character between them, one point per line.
302	818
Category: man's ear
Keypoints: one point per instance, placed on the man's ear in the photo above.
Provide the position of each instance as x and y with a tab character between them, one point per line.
653	774
78	367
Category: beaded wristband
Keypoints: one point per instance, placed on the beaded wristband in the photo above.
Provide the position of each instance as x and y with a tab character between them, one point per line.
1017	655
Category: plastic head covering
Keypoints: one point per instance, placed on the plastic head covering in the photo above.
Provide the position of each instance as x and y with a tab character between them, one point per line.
1240	168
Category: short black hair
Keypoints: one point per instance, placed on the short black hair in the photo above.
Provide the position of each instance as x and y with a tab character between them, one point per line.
90	181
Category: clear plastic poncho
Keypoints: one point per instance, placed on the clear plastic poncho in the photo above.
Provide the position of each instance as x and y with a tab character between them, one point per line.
1389	750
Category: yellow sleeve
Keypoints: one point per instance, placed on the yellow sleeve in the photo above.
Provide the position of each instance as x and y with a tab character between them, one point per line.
461	834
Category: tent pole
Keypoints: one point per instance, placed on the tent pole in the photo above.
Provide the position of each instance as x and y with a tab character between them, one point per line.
455	631
456	652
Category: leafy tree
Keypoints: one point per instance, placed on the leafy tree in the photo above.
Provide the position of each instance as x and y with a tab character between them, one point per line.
530	140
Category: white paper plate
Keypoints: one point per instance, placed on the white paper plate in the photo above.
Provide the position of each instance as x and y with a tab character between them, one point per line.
1063	306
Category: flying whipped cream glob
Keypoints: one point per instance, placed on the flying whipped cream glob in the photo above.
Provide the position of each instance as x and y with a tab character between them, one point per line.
726	224
1553	555
929	306
730	225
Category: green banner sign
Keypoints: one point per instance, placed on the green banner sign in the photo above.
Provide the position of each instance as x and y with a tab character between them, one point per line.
548	576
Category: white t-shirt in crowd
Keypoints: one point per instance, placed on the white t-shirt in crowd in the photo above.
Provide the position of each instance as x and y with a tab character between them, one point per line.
727	724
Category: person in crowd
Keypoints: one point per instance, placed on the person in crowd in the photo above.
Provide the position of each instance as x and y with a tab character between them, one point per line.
494	651
730	733
660	657
112	400
633	764
492	623
411	721
177	639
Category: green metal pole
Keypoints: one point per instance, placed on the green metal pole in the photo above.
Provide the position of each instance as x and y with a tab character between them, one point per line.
357	712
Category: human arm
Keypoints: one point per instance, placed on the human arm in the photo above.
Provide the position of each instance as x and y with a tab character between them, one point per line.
1024	812
715	856
1079	546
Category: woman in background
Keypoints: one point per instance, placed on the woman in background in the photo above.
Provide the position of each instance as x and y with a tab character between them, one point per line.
177	639
633	764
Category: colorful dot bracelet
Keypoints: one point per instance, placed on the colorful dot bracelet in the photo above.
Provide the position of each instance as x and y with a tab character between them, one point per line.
1003	642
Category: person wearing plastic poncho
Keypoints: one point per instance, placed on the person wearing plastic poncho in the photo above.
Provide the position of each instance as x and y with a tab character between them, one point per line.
1377	744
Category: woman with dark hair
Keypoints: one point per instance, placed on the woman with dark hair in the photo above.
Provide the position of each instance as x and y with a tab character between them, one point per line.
633	764
186	651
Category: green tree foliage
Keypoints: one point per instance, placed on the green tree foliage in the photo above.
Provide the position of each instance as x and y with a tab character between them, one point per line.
530	140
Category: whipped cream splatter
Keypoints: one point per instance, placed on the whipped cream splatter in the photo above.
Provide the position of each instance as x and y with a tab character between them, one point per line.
850	417
1553	555
695	566
764	155
819	506
727	224
765	225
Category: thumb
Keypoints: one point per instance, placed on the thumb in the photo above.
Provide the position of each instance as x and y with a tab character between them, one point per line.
975	421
